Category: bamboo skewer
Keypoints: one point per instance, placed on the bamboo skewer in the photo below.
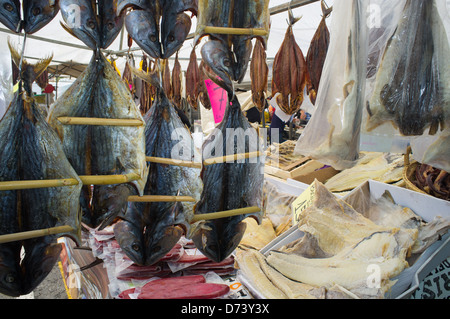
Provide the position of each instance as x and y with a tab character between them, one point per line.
35	233
231	158
99	121
237	31
160	198
33	184
108	179
227	213
174	162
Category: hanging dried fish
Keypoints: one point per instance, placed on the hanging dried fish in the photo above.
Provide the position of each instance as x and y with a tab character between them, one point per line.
317	53
167	83
259	73
412	81
176	82
202	91
289	72
192	80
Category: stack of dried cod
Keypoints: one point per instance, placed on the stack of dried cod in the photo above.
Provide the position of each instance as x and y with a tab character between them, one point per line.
343	254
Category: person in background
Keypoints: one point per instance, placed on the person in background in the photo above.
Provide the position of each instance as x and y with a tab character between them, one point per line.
278	122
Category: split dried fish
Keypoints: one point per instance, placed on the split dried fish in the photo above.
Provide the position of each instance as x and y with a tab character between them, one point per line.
192	80
259	73
317	52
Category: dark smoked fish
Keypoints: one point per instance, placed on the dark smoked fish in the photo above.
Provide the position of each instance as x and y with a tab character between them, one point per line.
192	80
229	185
176	82
259	73
149	231
31	150
411	89
317	53
289	72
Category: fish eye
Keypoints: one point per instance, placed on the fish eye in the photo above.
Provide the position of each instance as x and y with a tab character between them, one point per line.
136	247
110	26
153	38
226	62
8	7
171	38
10	278
91	24
36	11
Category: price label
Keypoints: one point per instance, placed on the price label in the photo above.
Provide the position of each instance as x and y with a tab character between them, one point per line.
302	202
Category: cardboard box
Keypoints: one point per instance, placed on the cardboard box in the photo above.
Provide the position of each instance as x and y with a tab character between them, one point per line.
425	206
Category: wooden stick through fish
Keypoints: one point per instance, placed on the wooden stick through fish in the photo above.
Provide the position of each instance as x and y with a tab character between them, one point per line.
231	158
227	213
33	184
108	179
174	162
237	31
160	198
35	233
99	121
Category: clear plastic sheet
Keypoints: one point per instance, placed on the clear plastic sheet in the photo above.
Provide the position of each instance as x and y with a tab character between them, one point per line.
277	206
332	134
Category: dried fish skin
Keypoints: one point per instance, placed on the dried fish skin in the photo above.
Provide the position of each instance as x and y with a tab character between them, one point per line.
101	150
203	96
10	14
259	74
289	72
411	88
236	185
317	52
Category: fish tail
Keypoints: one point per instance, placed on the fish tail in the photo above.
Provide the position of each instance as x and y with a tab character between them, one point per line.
149	77
325	9
30	71
293	20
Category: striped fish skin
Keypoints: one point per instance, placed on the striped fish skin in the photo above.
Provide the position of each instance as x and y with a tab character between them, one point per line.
101	150
227	186
31	150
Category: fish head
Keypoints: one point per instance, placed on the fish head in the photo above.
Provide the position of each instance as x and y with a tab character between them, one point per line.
10	273
38	13
81	21
10	14
218	57
131	239
41	254
109	201
111	23
162	235
143	28
136	4
174	33
217	239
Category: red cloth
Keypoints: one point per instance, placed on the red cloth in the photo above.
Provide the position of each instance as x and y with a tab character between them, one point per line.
49	88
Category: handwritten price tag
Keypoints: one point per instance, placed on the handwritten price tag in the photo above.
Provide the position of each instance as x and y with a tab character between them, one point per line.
302	202
218	98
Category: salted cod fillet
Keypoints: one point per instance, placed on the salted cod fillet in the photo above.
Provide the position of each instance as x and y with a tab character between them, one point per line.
336	225
382	167
350	268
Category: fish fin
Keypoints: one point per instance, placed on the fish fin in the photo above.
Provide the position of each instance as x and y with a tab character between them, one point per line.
293	20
